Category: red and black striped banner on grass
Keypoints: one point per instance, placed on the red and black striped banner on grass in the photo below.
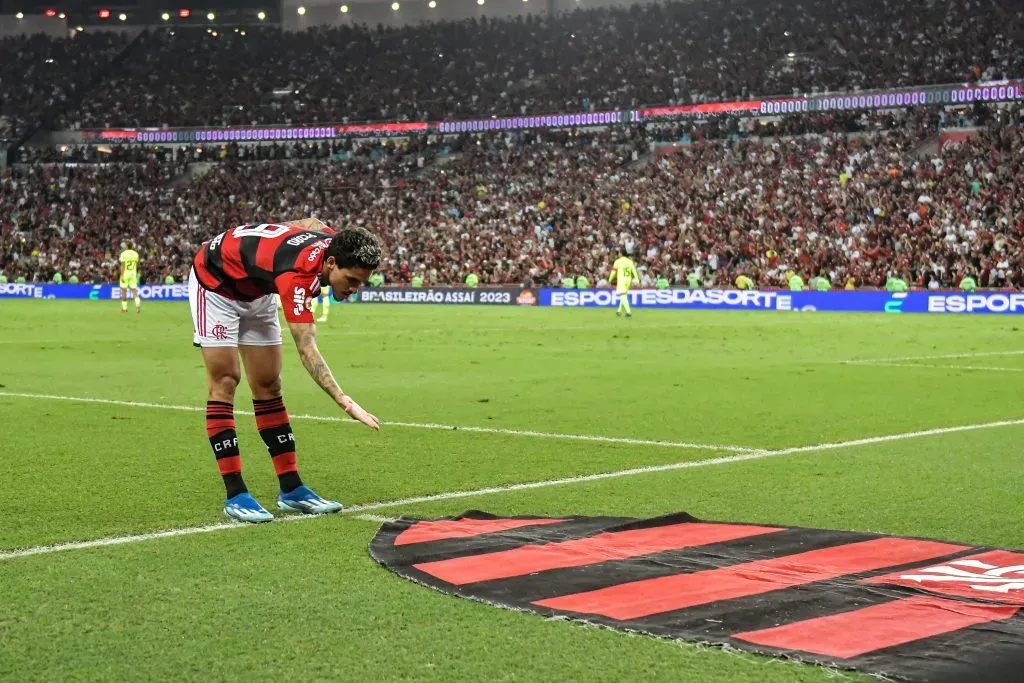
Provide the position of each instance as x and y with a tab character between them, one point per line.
908	608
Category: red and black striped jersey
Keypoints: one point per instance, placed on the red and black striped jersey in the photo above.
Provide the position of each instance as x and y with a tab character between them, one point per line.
251	261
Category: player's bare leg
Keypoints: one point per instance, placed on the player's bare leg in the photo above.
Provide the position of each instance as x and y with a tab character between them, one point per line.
325	296
138	300
124	300
263	373
223	373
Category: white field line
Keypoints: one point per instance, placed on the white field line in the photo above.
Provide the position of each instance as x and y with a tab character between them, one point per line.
941	367
363	509
945	356
412	425
168	533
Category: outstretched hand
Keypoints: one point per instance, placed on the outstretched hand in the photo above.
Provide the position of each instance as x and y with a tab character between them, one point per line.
356	412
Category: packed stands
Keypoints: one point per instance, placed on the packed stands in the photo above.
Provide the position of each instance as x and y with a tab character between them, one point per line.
599	59
39	74
532	207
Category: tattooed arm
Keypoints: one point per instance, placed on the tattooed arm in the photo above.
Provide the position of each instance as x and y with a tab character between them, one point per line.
305	342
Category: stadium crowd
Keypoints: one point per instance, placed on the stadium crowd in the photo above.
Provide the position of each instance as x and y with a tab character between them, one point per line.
537	207
602	59
39	74
676	52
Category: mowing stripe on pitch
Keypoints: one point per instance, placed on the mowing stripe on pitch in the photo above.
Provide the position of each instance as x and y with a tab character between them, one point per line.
932	366
412	425
364	508
944	356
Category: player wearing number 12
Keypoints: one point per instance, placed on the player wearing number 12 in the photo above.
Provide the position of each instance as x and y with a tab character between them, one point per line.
235	277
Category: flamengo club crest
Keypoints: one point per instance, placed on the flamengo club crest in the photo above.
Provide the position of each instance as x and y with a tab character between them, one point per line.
908	609
996	576
219	332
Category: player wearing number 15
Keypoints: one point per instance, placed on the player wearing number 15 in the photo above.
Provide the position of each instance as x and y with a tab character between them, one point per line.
235	277
129	260
624	275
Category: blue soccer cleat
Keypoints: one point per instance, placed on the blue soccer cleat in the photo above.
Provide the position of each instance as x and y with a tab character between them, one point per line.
244	508
305	501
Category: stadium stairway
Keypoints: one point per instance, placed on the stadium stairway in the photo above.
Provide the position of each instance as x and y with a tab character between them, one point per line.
196	169
929	148
641	161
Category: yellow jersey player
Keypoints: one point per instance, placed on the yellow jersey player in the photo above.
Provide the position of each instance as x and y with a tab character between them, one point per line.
624	275
129	277
325	300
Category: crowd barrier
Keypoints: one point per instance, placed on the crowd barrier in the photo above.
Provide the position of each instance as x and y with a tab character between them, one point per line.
10	290
839	300
707	299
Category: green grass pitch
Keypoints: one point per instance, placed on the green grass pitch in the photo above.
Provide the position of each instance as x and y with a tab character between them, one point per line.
305	602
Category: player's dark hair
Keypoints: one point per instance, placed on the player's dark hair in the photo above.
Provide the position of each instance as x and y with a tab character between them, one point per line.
355	248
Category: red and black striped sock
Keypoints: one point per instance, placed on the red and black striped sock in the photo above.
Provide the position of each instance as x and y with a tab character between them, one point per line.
276	431
220	427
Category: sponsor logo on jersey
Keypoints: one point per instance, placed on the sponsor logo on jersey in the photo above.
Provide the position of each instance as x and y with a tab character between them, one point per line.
301	239
299	301
317	249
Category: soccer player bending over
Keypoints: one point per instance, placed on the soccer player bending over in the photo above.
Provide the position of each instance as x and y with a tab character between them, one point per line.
623	275
234	313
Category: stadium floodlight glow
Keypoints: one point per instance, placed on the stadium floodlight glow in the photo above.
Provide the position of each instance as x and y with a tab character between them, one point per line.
19	15
104	14
210	16
261	15
166	16
395	6
62	16
50	12
122	16
184	13
480	2
301	10
242	33
213	33
344	9
432	4
79	28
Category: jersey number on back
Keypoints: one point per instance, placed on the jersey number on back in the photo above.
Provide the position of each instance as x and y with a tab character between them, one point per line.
264	230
